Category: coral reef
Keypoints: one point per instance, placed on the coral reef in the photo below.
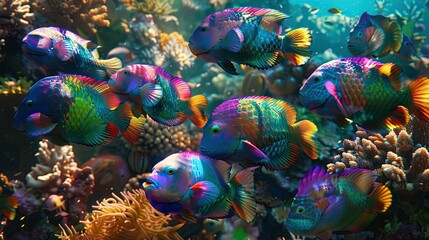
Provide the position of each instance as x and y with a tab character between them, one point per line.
57	173
13	86
176	52
74	15
393	156
157	142
160	7
16	19
235	228
129	217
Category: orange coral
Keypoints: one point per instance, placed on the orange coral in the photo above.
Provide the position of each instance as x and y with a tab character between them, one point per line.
157	7
129	217
75	14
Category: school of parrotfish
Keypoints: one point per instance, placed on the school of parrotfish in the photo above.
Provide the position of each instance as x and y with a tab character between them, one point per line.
91	101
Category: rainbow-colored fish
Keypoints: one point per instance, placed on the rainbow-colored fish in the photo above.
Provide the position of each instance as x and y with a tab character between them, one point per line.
340	202
75	109
63	51
368	92
165	98
249	36
258	130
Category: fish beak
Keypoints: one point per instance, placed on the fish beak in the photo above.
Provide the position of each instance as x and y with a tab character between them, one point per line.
150	182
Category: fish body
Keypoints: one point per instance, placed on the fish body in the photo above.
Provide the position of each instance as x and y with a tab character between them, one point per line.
192	185
340	202
407	49
368	92
63	51
165	98
335	11
75	109
258	130
54	202
248	36
374	36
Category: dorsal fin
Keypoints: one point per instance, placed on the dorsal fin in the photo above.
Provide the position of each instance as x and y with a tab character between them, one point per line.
393	72
271	19
316	175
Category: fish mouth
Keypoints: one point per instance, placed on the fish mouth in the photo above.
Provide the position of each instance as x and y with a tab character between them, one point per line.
28	50
355	50
150	183
320	105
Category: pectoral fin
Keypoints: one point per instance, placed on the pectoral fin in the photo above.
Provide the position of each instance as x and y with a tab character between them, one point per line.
205	192
228	67
63	49
233	40
151	94
38	124
254	151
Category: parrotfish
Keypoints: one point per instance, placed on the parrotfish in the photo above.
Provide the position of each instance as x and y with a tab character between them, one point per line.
192	185
374	36
165	98
258	130
249	36
340	202
61	51
75	109
368	92
407	49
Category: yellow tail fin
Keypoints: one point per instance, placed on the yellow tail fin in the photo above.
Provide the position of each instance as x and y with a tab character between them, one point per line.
296	46
303	134
197	105
111	64
420	98
382	197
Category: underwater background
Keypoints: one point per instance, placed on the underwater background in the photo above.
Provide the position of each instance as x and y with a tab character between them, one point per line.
74	191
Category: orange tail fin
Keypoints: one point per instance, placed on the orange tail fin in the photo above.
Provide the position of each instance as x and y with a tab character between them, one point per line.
197	105
130	126
420	98
296	46
303	134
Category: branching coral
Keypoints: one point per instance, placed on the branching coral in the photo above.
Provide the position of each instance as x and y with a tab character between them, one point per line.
394	156
129	217
72	15
15	19
157	7
57	173
157	142
176	51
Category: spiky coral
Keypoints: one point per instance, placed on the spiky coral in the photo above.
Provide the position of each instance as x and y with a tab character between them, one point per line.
72	15
129	217
58	173
394	156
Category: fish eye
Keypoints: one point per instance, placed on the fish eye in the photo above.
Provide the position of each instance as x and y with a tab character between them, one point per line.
170	172
316	79
215	129
127	72
300	210
29	103
203	29
360	34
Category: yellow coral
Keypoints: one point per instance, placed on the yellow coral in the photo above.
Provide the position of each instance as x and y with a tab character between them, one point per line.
72	15
129	217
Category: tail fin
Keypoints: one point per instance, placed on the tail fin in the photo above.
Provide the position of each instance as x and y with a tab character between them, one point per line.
303	134
197	105
111	64
242	192
130	126
296	46
380	199
9	207
419	105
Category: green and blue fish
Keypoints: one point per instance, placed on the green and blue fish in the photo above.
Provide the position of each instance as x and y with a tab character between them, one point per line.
340	202
369	93
165	98
258	130
192	185
249	36
61	51
75	109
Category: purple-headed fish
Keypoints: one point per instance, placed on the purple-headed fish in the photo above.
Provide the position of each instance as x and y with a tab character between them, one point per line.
368	92
249	36
165	98
340	202
63	51
75	109
258	130
193	185
374	36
